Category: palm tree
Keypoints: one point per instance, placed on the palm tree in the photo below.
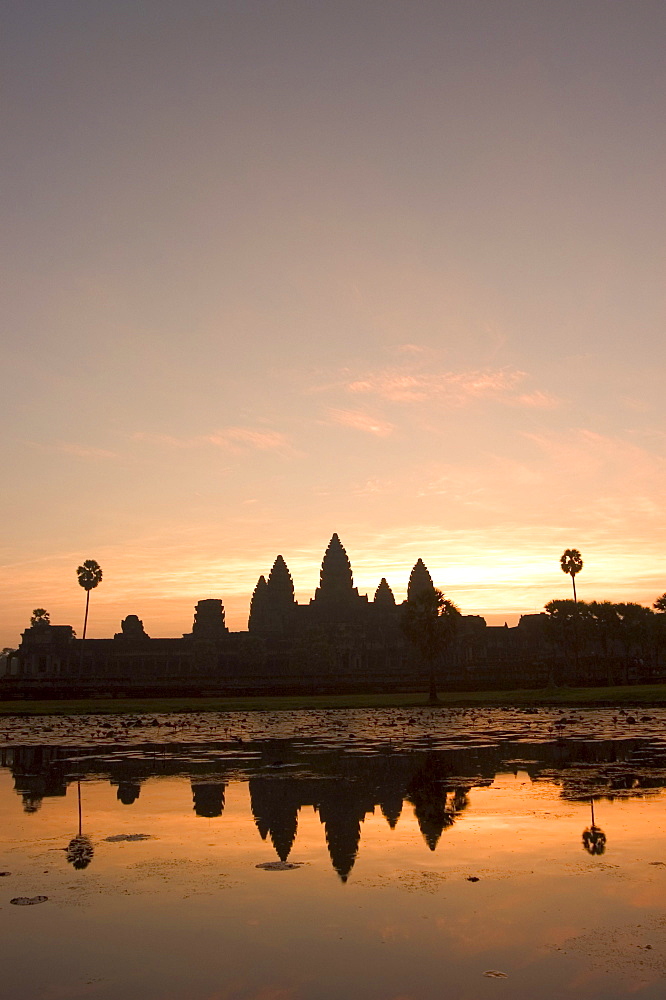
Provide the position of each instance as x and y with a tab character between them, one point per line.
430	622
40	616
594	838
80	851
660	621
90	575
572	563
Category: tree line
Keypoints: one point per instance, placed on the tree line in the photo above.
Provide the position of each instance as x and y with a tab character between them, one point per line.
618	635
617	638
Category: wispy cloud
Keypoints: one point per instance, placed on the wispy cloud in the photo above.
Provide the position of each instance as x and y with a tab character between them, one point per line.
586	453
536	400
233	439
244	438
361	421
84	451
166	440
77	450
454	388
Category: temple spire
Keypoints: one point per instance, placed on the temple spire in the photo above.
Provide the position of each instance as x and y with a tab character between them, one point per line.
258	605
280	586
420	581
384	595
273	602
335	579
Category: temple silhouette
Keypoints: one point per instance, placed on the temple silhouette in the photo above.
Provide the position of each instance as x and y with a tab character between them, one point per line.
339	641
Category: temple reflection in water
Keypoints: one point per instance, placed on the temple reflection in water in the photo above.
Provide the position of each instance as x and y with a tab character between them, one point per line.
341	788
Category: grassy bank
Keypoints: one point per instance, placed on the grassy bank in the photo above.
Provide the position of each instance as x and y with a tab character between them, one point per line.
646	694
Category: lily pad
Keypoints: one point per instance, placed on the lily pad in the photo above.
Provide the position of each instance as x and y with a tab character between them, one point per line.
279	866
118	837
494	974
28	900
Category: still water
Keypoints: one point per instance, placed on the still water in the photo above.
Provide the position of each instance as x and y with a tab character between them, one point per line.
386	855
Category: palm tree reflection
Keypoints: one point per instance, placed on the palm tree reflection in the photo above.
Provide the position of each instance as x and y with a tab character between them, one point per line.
79	852
594	838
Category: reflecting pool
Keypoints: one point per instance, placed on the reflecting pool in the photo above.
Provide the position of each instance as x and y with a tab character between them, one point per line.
387	855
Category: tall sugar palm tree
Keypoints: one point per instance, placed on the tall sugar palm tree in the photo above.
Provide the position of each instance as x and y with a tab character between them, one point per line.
90	576
80	851
571	563
594	838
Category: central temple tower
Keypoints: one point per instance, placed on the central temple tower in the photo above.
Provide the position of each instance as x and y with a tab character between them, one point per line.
336	598
335	579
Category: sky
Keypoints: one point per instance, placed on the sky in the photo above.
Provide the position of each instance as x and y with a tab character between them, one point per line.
277	268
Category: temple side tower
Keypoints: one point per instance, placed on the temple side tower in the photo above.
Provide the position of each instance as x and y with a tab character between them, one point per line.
280	586
257	620
273	603
420	581
209	620
384	598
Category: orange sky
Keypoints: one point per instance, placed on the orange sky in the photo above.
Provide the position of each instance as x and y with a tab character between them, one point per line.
276	271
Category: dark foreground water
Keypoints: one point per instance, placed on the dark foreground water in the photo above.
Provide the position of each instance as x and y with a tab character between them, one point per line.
385	855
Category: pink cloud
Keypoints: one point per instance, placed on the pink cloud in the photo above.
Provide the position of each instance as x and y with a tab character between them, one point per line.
452	388
77	450
361	421
243	438
83	451
167	440
588	453
235	439
536	400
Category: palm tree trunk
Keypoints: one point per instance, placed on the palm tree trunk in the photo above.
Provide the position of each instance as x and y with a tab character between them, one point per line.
433	698
85	620
573	582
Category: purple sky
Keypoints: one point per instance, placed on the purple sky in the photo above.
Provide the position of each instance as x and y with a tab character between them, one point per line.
278	269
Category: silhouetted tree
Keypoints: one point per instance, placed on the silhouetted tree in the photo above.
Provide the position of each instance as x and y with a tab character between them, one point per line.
606	623
594	838
635	632
562	624
660	624
90	576
430	622
660	603
40	616
571	563
80	851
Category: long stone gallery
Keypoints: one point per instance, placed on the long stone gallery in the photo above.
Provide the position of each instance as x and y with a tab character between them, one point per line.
340	641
